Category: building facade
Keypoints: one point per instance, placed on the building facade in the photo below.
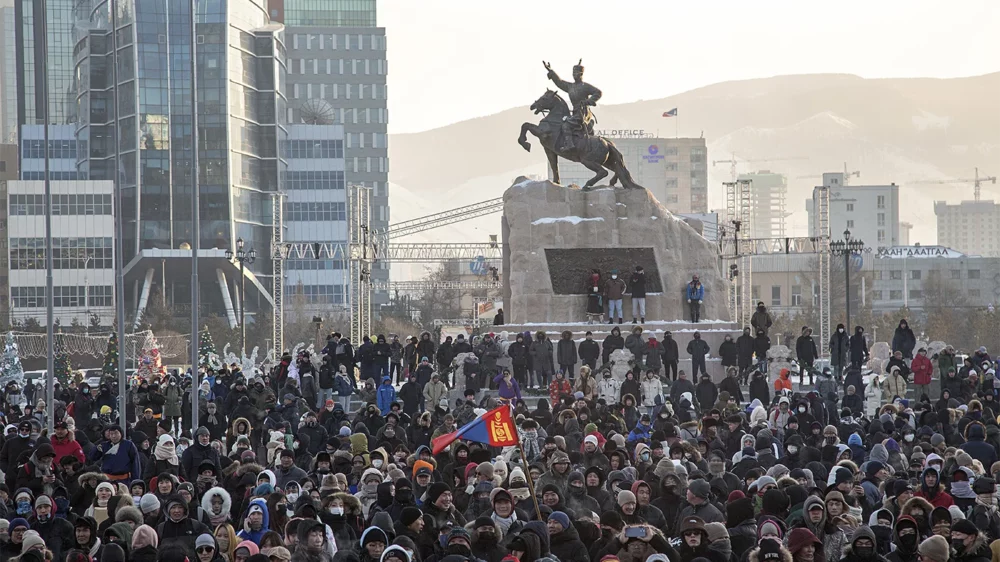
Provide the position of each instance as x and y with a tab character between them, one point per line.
29	49
768	193
83	252
240	71
315	209
337	68
870	212
8	75
674	170
970	227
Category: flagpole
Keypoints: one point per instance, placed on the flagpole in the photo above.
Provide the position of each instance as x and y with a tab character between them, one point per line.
531	484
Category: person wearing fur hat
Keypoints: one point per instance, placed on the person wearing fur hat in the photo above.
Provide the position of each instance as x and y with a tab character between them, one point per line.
968	543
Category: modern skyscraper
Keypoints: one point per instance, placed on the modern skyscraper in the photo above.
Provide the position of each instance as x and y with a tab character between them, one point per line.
768	191
60	18
337	71
241	122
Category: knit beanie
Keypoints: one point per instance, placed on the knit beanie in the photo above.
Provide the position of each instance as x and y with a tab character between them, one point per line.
560	518
624	497
31	539
409	514
934	548
148	504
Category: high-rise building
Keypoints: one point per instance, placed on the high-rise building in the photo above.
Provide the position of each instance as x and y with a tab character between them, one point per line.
57	52
83	254
8	73
337	69
870	212
970	227
315	210
674	170
768	191
241	123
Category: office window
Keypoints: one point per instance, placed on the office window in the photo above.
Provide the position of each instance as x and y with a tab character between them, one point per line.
974	293
896	295
314	265
881	236
896	274
973	274
796	295
916	294
67	253
877	275
318	294
881	219
850	224
314	180
102	295
881	202
956	274
313	149
876	295
755	292
850	207
322	211
915	274
776	295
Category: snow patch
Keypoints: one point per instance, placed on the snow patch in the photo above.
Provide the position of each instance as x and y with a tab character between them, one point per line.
623	218
523	184
928	120
653	218
621	204
569	219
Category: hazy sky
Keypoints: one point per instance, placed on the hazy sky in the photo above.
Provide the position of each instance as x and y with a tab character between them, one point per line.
451	60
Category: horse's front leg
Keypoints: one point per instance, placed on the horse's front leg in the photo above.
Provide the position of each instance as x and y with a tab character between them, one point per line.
553	163
523	139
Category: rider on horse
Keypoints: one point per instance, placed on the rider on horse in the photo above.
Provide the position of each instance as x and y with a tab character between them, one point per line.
582	95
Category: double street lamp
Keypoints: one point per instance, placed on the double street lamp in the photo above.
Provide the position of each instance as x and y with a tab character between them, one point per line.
847	247
244	258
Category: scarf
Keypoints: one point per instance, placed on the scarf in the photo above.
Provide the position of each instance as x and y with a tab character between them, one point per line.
95	548
504	522
962	489
165	452
990	504
211	416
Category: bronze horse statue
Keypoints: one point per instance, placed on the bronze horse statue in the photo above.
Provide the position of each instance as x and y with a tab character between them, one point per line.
594	152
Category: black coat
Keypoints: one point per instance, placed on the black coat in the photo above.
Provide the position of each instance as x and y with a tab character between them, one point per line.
903	340
611	343
566	352
638	286
589	351
518	353
859	346
670	352
729	353
698	348
805	349
567	545
744	349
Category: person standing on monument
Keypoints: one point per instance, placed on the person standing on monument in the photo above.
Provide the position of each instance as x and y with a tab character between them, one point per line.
614	290
695	296
595	304
698	348
637	284
541	358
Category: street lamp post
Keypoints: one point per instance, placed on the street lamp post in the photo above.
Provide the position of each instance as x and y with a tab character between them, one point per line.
847	247
244	258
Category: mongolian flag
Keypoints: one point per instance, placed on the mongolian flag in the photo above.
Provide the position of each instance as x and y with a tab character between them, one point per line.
494	428
671	113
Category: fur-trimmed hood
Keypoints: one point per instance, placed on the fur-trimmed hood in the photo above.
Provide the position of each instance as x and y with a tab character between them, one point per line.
786	555
690	449
474	533
917	501
352	505
227	500
88	475
236	422
249	468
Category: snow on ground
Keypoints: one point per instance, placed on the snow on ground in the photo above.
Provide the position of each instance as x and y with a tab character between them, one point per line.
569	219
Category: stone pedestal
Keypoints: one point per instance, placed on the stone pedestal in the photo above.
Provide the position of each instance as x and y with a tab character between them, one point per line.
553	236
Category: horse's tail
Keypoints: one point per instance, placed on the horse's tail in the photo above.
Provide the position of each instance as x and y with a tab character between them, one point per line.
618	165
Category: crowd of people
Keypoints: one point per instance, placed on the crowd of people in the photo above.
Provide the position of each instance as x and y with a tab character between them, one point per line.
648	469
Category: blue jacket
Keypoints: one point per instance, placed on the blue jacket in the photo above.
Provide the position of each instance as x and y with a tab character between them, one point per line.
342	386
254	536
640	432
695	294
977	448
125	460
385	397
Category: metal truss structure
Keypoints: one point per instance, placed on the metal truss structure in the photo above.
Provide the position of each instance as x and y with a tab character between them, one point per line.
408	286
823	226
732	249
444	218
739	222
462	322
279	253
362	257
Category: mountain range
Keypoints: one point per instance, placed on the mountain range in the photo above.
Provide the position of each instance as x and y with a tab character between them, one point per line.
897	130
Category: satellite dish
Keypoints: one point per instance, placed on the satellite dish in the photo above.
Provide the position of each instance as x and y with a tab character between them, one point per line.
317	111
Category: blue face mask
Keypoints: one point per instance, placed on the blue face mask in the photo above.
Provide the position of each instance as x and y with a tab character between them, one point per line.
62	505
23	507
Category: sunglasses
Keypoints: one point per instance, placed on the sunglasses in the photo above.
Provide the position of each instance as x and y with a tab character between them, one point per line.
206	549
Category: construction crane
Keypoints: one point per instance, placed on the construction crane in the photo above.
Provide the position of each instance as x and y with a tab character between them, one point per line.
847	175
976	181
733	161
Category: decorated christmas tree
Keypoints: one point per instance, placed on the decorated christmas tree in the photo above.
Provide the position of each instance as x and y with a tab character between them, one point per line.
111	355
150	362
10	364
207	355
63	368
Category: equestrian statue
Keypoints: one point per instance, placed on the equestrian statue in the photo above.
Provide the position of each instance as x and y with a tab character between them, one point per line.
569	133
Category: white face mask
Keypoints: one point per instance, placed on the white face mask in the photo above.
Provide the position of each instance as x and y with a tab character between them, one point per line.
292	496
614	277
841	330
336	511
908	437
377	463
792	449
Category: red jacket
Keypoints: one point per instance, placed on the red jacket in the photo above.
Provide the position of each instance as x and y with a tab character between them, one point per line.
922	369
940	499
67	448
557	389
783	381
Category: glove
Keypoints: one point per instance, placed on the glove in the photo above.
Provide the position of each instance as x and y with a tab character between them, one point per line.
699	302
689	301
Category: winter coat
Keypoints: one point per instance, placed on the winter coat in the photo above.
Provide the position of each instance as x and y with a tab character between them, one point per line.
385	397
651	388
761	320
433	392
589	351
840	347
761	344
172	407
695	292
729	353
698	348
614	289
744	349
636	345
873	397
609	389
654	359
707	393
859	346
566	352
894	385
567	545
670	351
637	285
541	354
613	342
904	341
805	349
488	354
922	369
